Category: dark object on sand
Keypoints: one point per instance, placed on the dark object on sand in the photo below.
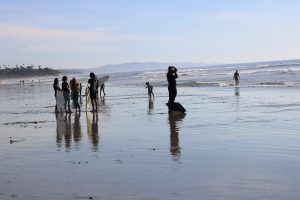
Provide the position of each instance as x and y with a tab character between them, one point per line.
177	107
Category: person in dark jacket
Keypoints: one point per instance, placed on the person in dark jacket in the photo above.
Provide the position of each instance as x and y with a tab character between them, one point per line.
171	76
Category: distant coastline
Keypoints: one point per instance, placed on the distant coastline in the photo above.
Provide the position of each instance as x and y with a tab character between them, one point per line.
28	71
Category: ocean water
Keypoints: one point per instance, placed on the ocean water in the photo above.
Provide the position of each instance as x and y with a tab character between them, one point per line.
273	74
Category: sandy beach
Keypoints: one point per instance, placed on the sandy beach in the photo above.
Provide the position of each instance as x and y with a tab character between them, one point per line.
233	144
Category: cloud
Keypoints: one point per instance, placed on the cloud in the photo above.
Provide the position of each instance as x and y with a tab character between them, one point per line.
50	37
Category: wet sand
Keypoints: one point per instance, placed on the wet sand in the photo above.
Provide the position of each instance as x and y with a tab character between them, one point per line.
233	143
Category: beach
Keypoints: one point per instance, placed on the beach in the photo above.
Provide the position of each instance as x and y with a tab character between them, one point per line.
233	143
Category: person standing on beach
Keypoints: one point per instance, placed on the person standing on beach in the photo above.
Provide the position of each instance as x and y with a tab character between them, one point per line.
56	88
236	77
80	96
72	86
93	81
171	76
66	89
150	89
76	93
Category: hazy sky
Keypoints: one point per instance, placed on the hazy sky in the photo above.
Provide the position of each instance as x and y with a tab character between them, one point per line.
90	33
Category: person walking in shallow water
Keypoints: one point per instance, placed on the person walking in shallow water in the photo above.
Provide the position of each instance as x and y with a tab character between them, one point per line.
171	76
236	77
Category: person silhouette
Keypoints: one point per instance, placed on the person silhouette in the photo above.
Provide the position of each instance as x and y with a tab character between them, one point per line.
236	77
66	90
150	89
93	89
172	76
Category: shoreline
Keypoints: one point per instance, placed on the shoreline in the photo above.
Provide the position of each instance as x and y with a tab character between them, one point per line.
227	146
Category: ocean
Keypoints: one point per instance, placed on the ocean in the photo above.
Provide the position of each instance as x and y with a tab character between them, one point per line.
273	74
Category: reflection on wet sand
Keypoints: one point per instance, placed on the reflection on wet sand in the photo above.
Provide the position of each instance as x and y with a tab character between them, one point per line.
237	98
237	91
175	149
77	134
63	129
150	108
92	129
104	109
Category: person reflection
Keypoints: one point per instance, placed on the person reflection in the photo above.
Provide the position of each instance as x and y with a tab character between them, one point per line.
237	91
68	134
237	98
92	129
63	129
77	134
60	128
175	149
150	108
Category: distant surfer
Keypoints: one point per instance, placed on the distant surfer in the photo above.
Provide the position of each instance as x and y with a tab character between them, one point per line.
102	89
93	82
236	77
66	90
56	88
150	89
171	76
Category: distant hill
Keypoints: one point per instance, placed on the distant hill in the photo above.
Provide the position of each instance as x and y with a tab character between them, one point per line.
139	66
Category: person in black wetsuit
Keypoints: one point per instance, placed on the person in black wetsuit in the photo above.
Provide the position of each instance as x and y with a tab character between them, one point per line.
236	77
56	87
66	89
93	81
171	76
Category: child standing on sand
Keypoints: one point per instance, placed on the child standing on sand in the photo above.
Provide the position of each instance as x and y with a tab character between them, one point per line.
150	89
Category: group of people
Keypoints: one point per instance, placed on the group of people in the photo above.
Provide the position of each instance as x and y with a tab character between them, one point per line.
70	91
73	90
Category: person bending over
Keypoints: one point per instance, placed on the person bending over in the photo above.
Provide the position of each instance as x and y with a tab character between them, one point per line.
150	89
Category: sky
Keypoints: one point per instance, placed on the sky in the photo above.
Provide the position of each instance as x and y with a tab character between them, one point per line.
92	33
